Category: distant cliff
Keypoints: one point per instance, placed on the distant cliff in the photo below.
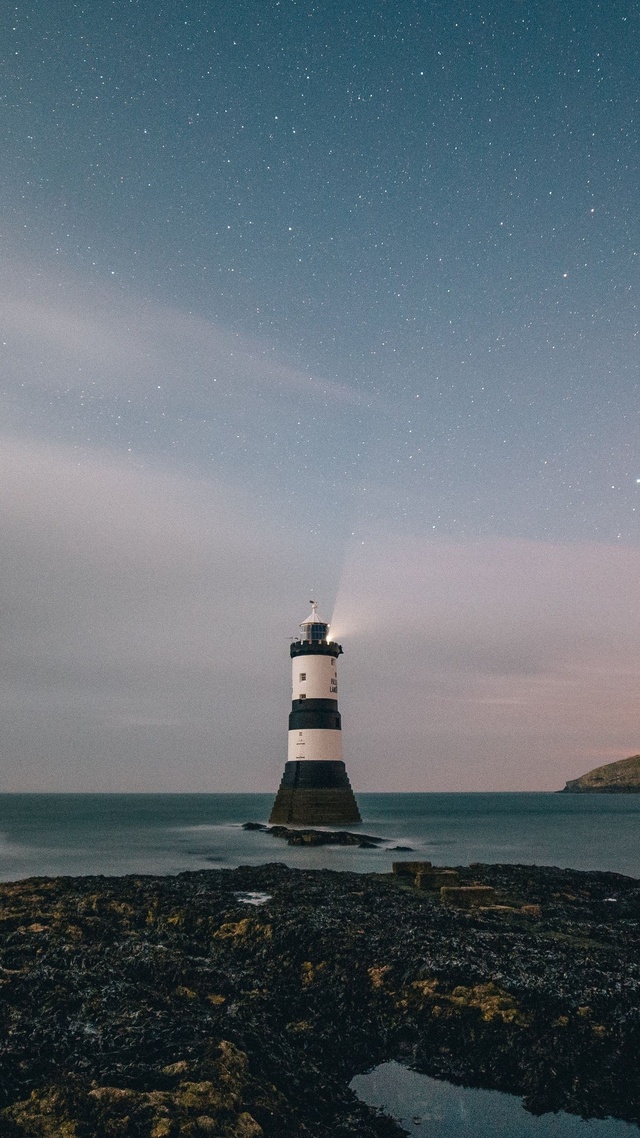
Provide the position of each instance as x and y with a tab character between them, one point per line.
622	777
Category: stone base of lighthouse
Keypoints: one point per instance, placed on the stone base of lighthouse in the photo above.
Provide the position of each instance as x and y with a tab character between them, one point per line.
315	794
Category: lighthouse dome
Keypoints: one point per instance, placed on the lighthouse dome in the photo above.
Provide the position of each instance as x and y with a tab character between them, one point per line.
313	628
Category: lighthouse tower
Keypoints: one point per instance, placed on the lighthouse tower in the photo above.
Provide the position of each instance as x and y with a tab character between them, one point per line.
315	788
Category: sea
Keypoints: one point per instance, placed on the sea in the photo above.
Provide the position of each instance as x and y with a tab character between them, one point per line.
115	834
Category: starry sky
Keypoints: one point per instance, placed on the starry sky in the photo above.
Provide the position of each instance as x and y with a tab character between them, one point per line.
315	299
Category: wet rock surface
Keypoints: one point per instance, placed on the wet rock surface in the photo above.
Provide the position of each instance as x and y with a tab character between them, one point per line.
166	1006
310	837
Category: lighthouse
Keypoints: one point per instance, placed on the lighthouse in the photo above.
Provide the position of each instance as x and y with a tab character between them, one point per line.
315	788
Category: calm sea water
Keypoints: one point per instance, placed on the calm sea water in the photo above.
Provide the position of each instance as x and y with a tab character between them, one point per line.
167	833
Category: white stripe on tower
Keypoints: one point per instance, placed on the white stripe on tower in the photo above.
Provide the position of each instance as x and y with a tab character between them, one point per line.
314	724
314	677
317	744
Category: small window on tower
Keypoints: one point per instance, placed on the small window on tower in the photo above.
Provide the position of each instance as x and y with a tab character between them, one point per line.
302	695
303	676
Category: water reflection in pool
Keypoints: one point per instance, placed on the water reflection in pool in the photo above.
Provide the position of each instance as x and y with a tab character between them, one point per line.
429	1108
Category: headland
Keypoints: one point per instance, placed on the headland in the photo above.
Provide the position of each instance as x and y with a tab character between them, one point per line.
240	1003
622	777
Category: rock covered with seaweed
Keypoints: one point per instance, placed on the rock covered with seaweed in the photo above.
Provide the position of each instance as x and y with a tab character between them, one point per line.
168	1006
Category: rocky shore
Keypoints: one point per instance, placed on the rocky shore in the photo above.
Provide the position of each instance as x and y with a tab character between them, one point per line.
152	1007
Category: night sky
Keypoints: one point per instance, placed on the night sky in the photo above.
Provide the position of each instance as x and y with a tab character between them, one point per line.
315	299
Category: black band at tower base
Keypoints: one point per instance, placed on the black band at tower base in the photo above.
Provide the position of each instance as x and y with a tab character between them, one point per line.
315	793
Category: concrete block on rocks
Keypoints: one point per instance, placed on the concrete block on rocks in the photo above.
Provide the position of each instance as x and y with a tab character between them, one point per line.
410	868
468	896
434	879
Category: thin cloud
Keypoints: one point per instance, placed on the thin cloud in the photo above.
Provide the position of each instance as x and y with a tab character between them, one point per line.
61	335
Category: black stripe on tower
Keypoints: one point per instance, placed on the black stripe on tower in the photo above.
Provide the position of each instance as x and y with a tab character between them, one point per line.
321	774
313	713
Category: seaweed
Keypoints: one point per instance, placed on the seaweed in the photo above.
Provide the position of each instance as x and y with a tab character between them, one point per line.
165	1006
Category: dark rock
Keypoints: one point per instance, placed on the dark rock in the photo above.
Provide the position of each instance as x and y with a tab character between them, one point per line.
324	837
